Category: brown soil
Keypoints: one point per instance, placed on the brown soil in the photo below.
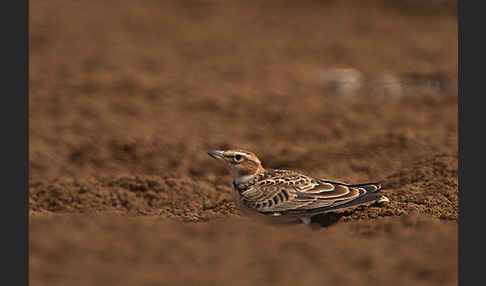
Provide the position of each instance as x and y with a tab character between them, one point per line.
127	97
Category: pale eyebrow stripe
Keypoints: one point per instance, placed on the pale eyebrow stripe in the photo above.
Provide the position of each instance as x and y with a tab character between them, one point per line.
254	161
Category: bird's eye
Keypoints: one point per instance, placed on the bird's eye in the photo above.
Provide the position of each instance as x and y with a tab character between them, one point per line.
238	157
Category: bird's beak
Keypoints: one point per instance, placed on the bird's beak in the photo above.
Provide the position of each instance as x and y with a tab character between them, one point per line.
216	154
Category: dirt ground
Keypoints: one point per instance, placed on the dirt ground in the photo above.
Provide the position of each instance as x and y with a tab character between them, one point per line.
126	98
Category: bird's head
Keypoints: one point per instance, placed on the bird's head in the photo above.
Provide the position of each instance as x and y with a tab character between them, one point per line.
243	165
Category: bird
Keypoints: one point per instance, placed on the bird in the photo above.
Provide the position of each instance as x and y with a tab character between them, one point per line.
289	196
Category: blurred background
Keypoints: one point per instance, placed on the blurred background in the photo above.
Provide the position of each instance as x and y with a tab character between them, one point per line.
126	98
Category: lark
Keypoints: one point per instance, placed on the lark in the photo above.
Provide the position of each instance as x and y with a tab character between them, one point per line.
286	195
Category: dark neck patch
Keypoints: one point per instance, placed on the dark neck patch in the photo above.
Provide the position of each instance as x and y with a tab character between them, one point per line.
240	187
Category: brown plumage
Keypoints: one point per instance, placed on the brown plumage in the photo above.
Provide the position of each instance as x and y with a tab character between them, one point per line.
289	195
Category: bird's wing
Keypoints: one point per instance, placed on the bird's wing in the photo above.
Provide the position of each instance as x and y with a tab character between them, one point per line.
299	194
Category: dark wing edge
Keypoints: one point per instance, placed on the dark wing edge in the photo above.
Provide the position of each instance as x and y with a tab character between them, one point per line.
377	185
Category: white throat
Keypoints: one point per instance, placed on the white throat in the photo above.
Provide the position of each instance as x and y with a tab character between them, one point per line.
242	179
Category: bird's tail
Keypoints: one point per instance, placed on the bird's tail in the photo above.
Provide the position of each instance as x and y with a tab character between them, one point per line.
369	187
368	192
